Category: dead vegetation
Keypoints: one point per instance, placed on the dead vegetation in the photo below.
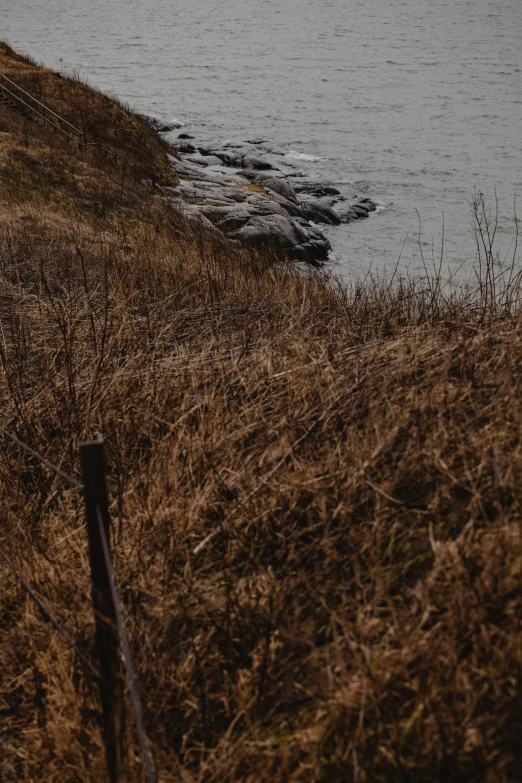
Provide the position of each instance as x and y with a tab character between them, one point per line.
315	493
102	119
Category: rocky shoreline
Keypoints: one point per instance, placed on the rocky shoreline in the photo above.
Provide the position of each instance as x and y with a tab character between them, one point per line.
252	193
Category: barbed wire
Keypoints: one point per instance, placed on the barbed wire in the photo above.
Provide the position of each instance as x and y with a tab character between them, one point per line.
27	587
59	472
146	754
49	616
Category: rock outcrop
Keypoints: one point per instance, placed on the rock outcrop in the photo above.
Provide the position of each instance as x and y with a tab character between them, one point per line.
252	193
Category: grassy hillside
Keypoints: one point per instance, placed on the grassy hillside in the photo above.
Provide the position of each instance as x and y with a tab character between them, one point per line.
102	119
352	459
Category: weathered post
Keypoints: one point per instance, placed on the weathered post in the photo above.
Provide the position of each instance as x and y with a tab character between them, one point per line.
112	686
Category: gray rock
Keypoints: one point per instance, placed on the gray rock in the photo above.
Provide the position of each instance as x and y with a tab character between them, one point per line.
325	201
162	124
281	232
229	158
217	213
253	162
188	211
256	177
320	248
269	230
264	206
235	194
345	212
360	210
242	161
312	252
237	145
274	149
314	187
186	147
319	213
203	160
233	221
367	202
299	253
281	186
293	208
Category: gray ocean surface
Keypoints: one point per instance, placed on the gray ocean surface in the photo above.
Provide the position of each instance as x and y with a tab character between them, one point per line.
417	102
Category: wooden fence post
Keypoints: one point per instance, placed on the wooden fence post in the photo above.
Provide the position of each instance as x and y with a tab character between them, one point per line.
112	687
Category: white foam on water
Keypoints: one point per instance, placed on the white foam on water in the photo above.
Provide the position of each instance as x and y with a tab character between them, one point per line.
303	156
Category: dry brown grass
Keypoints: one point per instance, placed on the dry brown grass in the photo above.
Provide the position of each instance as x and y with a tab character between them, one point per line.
358	618
102	119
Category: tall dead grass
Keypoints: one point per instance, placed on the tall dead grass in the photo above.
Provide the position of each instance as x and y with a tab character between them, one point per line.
355	614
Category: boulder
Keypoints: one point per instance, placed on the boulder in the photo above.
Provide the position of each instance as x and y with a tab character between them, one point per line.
360	210
314	187
288	235
367	202
187	148
229	158
269	230
312	252
348	212
319	213
227	193
281	186
242	161
293	208
253	162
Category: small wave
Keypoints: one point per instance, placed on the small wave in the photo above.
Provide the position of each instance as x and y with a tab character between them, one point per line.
163	123
303	156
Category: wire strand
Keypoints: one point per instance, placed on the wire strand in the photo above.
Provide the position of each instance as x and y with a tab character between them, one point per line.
59	472
38	601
